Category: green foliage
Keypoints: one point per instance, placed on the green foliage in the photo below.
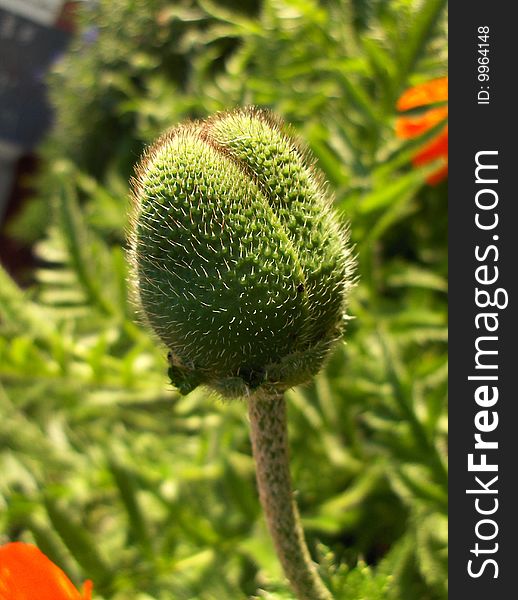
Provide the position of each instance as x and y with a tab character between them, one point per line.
115	475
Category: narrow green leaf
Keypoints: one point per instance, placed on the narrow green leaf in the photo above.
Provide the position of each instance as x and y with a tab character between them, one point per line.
78	542
125	483
76	238
418	36
17	310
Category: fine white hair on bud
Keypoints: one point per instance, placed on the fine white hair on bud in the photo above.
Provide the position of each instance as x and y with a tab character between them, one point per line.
239	262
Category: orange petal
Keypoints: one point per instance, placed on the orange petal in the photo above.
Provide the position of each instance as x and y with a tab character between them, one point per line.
88	587
27	574
438	176
429	92
436	148
409	127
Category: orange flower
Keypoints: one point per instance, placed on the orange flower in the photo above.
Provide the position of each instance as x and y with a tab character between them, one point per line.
411	126
27	574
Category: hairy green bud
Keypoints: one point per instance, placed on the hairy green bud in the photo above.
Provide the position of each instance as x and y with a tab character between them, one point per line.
241	267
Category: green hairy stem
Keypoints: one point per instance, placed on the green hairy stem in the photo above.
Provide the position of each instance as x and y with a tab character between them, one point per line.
270	447
242	270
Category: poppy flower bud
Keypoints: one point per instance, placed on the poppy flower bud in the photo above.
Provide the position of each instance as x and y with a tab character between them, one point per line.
240	265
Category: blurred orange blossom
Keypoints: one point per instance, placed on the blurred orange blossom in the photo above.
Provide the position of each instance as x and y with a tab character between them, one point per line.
412	126
27	574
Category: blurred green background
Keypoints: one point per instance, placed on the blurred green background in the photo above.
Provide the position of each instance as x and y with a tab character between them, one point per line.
152	495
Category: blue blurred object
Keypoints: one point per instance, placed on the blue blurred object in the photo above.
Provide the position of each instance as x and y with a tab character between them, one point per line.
32	37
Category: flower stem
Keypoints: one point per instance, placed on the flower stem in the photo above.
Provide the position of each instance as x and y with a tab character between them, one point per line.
270	448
